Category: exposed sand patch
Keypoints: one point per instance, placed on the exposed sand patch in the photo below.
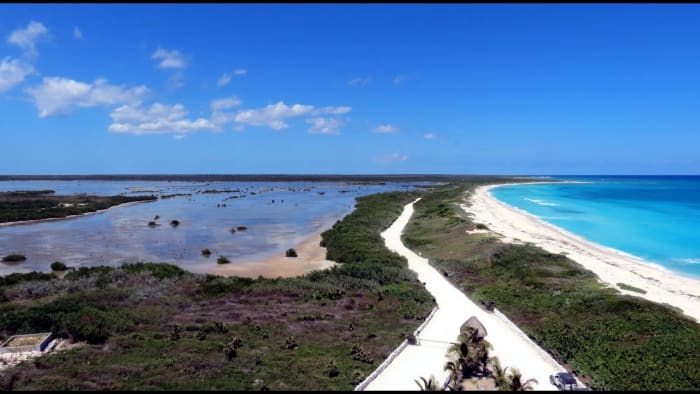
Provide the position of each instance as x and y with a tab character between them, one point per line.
310	256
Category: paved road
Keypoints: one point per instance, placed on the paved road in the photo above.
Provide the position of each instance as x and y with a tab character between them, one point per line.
454	308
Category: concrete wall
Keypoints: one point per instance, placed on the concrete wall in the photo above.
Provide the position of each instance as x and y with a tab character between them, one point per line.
26	348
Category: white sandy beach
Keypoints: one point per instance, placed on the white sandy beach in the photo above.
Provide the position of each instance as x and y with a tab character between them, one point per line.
454	308
611	266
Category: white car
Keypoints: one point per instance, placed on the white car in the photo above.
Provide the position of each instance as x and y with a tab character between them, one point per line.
564	381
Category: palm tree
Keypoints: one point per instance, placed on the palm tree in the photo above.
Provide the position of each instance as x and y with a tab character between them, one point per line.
472	355
456	369
516	383
500	374
427	385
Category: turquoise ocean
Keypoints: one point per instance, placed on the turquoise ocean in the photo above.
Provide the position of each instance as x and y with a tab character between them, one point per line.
655	218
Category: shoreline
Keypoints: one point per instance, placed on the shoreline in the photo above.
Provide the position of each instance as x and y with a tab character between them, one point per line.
34	221
311	256
610	265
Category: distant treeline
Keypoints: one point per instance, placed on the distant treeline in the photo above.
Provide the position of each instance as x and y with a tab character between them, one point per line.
15	208
22	193
264	177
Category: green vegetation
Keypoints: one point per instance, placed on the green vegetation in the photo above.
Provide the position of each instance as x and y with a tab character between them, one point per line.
58	266
431	384
290	252
627	287
471	360
612	341
164	196
155	326
16	278
24	193
13	258
33	205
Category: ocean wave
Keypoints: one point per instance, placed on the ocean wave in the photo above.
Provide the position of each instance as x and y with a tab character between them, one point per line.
691	261
541	202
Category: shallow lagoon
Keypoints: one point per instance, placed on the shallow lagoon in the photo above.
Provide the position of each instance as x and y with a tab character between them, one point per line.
122	234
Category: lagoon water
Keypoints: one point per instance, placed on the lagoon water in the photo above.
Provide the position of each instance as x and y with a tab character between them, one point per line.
655	218
121	234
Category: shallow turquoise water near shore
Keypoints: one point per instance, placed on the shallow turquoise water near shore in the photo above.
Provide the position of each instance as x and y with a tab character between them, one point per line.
278	216
656	218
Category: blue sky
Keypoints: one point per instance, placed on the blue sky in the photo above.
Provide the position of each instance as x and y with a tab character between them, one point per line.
462	88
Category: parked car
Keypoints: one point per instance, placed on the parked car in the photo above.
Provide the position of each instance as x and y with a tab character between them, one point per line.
564	381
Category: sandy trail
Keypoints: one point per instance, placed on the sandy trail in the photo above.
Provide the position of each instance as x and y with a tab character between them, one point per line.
611	266
454	308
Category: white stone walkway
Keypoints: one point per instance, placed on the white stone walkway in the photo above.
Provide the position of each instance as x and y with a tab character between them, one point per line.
454	308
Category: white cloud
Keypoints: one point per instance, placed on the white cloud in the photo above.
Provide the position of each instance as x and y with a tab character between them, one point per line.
176	80
58	96
324	125
401	78
13	72
359	81
429	136
225	78
391	158
77	34
331	111
225	103
158	119
218	116
26	38
170	59
386	129
274	115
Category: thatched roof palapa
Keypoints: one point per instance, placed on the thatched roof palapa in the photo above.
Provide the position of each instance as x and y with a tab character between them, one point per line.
474	323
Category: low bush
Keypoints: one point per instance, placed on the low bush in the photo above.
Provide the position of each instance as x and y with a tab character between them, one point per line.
14	258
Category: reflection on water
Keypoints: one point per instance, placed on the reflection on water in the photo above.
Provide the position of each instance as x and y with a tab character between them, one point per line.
123	235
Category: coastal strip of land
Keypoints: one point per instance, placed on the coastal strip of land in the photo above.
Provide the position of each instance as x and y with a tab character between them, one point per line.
638	278
609	339
435	339
15	210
